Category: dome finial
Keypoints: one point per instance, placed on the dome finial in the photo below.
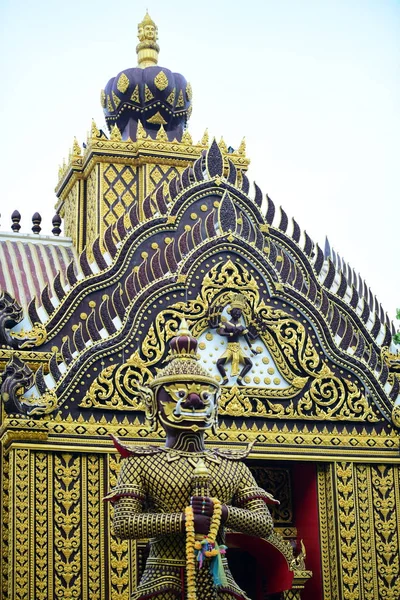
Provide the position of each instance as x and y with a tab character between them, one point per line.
147	49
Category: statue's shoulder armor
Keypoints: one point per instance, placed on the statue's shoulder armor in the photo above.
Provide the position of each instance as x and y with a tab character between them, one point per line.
126	450
233	454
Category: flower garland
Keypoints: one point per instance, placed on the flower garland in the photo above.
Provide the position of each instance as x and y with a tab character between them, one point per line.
198	550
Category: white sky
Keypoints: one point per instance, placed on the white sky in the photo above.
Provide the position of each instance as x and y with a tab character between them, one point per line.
313	85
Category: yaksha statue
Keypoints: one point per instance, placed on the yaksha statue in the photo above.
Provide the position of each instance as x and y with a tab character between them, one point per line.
183	495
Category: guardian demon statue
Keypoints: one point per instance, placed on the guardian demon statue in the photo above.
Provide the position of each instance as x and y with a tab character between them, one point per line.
183	495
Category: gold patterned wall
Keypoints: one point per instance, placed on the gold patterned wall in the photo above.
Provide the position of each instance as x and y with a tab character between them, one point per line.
71	213
359	530
92	209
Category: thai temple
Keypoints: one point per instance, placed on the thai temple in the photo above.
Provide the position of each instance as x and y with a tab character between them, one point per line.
164	234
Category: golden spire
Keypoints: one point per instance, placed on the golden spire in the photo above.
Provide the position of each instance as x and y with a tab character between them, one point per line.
147	49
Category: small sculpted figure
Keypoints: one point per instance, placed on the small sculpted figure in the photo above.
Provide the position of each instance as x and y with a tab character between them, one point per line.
233	330
182	495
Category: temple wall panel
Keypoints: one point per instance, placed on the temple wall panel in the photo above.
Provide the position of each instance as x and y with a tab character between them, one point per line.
57	539
72	211
359	518
119	184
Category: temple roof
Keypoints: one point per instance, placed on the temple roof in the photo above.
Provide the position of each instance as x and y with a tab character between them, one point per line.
30	262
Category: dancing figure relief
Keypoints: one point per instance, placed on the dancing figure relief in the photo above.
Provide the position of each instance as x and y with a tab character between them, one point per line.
234	331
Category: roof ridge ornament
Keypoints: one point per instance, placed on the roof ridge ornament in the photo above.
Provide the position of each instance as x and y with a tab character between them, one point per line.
147	49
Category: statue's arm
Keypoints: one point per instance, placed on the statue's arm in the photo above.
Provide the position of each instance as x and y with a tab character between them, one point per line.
255	519
128	498
248	512
131	523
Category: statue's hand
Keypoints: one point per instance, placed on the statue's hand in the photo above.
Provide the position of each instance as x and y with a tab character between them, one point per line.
202	505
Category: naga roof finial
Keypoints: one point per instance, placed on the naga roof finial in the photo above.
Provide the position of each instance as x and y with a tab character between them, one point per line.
147	49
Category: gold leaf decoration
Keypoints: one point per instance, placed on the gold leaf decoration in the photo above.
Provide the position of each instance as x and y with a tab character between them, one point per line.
135	95
181	101
115	133
116	100
161	81
171	97
189	92
161	134
147	93
103	98
109	105
123	83
157	119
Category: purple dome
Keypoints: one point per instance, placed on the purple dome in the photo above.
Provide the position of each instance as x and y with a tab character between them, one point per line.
154	95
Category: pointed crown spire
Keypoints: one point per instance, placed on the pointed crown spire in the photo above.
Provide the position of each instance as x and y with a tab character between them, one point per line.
147	49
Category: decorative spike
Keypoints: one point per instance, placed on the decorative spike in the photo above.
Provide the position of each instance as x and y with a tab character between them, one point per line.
143	276
214	161
161	204
141	132
109	241
94	132
359	352
272	252
98	255
147	207
366	312
121	227
58	288
394	392
354	298
71	277
155	265
330	276
296	231
308	244
56	222
347	337
32	312
162	134
342	286
324	308
327	249
173	188
91	327
319	260
384	374
40	381
258	196
376	327
46	302
78	340
105	316
53	367
245	184
115	134
16	218
170	259
198	169
227	217
245	227
210	226
197	233
84	264
118	304
270	211
242	147
185	177
36	220
183	245
76	149
387	338
187	138
312	291
134	216
232	173
205	139
222	146
299	279
284	220
66	351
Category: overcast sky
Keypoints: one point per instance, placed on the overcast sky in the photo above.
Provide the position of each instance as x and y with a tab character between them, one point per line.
313	85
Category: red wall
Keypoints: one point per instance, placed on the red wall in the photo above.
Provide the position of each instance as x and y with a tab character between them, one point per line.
306	519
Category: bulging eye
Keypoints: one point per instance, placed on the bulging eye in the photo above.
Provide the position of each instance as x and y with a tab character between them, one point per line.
181	394
205	395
